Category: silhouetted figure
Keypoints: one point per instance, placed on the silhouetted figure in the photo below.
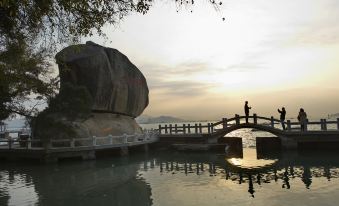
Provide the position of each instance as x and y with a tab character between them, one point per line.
327	172
307	177
275	175
247	110
302	117
250	185
292	171
286	180
282	117
259	179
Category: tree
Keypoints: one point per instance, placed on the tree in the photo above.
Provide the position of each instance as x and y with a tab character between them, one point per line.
30	32
22	73
22	77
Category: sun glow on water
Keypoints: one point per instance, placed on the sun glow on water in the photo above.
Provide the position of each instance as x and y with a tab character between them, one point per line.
250	160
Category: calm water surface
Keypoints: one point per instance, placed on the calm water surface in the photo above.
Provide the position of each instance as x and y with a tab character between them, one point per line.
177	178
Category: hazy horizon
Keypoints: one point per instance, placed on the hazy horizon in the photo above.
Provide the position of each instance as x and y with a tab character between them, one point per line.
271	53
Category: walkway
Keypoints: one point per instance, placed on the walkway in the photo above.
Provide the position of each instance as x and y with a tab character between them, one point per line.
85	148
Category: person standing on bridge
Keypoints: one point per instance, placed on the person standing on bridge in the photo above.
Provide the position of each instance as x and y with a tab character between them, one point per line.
302	117
282	117
247	110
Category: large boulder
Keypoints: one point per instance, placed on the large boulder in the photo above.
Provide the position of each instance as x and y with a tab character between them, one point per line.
101	92
115	84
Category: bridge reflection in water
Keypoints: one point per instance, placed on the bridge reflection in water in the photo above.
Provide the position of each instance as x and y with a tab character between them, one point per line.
174	178
279	168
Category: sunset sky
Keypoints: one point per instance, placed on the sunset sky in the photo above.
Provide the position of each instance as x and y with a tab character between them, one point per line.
272	53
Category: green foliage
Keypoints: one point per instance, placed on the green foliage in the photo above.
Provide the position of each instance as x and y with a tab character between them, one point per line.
47	126
5	97
75	17
21	74
72	103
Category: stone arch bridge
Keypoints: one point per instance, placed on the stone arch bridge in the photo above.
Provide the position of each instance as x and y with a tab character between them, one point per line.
322	131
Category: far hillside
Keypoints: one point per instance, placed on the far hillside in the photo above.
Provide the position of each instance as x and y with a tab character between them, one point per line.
332	116
145	119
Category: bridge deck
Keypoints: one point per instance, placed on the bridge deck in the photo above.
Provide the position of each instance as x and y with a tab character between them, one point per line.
64	148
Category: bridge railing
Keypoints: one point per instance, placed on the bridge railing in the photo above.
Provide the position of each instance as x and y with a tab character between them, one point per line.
79	143
254	119
321	125
199	128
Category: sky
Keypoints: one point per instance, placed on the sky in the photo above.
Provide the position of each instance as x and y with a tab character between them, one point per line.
272	53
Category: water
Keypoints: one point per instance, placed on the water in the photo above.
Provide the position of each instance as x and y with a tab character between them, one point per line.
177	178
174	178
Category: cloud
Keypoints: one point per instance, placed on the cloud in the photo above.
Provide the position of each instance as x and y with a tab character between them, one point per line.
317	35
246	66
183	88
185	68
318	25
178	80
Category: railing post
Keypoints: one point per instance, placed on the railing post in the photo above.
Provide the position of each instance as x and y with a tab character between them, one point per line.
29	143
147	136
255	120
200	128
272	121
325	124
237	119
209	128
321	124
176	128
184	128
212	128
189	128
125	138
159	128
110	139
288	125
224	123
94	141
9	142
196	128
338	123
166	129
170	128
72	143
306	122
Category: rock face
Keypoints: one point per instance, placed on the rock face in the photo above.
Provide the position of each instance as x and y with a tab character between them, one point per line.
116	85
118	89
103	124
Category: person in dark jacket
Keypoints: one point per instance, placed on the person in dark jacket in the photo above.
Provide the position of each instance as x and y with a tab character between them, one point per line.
247	110
282	117
302	117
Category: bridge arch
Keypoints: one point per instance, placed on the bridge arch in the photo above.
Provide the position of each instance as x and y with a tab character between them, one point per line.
263	128
220	133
